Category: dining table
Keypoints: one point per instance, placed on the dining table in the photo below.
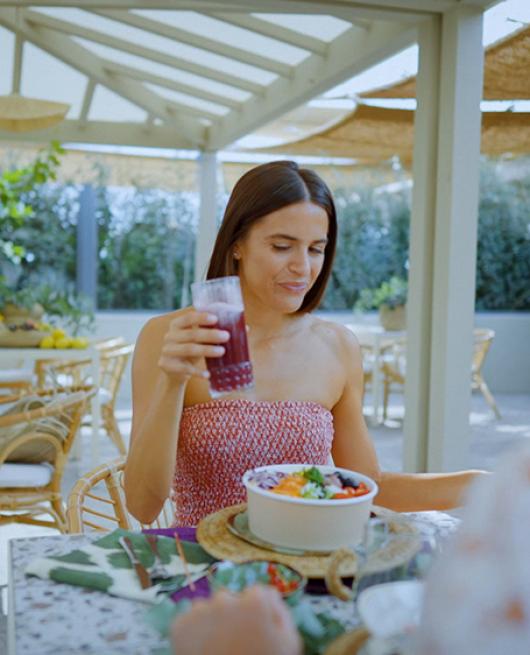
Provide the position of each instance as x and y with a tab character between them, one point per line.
49	618
376	339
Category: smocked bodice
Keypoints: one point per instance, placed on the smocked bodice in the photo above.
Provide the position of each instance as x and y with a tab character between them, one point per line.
221	439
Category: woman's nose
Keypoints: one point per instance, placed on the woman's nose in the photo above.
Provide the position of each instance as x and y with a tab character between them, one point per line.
300	263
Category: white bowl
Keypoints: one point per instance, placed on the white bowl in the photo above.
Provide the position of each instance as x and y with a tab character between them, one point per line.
306	523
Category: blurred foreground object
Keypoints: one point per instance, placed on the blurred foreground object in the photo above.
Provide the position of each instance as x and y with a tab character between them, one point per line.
477	598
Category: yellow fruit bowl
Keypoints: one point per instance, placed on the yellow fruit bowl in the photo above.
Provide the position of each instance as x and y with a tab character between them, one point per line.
21	338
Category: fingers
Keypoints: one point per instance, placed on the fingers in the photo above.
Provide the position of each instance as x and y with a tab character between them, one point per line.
191	350
198	335
193	318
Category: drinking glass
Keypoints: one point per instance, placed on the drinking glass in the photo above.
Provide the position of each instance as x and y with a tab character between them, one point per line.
222	297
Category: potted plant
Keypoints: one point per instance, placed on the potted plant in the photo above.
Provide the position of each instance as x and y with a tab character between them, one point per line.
390	299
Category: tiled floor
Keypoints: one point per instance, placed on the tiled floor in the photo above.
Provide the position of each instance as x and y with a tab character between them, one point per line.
489	439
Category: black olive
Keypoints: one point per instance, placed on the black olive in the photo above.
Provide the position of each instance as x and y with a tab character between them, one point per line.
347	482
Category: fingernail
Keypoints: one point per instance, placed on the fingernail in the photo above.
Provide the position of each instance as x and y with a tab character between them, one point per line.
220	350
205	374
212	318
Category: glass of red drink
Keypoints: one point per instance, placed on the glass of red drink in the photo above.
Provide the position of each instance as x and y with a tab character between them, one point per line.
222	297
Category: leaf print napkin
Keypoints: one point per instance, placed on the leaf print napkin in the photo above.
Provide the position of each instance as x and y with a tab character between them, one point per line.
103	565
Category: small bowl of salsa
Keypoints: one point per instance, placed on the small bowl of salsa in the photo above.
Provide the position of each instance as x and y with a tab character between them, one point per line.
235	577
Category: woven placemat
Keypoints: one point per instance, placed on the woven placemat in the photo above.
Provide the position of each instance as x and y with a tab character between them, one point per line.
348	643
215	537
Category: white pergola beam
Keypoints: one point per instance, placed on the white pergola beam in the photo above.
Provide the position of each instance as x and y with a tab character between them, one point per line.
104	132
87	100
145	76
350	54
207	228
440	331
17	64
73	29
71	53
379	10
197	41
278	32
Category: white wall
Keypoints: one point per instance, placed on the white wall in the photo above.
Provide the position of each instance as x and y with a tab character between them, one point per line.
506	370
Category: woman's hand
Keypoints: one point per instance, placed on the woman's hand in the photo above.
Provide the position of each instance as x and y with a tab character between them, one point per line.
255	622
190	338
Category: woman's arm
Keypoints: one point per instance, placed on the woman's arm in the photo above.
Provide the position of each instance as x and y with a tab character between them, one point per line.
169	350
353	449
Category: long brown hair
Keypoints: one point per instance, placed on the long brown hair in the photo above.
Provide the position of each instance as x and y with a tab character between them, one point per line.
261	191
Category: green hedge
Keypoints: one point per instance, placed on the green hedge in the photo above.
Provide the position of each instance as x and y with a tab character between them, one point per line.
147	237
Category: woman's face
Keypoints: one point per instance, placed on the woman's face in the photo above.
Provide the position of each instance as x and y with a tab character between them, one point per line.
282	255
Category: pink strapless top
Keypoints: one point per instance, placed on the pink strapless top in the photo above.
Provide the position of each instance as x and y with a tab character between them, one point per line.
221	439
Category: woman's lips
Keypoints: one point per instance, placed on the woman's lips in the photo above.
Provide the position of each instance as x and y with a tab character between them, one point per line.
294	287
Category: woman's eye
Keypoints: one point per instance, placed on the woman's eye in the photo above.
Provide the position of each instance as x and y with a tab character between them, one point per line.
317	251
279	247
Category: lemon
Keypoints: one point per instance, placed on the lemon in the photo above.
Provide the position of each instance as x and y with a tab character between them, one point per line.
63	342
58	334
79	342
47	342
44	327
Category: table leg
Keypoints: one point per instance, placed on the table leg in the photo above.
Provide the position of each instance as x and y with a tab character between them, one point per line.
10	602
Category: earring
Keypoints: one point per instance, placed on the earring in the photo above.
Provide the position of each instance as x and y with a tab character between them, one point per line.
237	255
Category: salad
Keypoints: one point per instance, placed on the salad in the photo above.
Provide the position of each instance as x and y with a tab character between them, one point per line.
310	483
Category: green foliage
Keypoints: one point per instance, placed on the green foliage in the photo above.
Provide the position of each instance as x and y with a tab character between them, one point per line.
372	245
503	255
15	205
147	241
146	246
391	293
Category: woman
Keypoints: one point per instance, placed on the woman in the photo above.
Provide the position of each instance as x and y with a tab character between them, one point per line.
278	234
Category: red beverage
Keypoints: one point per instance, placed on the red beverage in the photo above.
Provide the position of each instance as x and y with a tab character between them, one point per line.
233	370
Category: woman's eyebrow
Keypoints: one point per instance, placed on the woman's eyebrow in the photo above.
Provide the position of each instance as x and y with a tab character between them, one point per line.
288	237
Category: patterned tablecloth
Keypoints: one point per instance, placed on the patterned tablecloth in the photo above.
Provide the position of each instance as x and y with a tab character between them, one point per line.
47	618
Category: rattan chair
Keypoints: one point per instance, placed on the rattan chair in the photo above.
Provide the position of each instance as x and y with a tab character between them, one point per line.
113	362
29	490
394	368
482	340
42	365
97	502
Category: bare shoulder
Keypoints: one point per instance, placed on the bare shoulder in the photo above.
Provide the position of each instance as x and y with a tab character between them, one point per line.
337	336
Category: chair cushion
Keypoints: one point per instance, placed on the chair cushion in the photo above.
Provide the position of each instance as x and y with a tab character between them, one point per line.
17	375
37	450
25	475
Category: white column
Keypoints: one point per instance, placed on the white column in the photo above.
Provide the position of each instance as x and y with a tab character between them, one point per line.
443	246
419	301
207	228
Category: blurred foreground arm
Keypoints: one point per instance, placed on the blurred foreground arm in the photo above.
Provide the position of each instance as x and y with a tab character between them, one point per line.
255	622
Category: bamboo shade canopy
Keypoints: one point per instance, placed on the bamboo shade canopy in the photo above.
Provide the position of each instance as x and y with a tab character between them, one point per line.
373	134
506	72
21	114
